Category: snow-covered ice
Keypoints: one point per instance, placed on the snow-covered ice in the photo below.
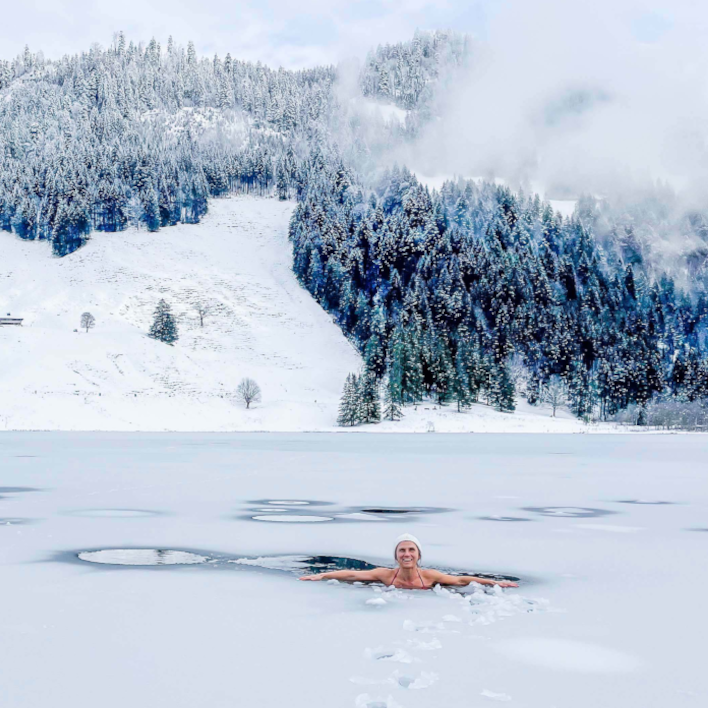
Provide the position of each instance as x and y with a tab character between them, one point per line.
181	599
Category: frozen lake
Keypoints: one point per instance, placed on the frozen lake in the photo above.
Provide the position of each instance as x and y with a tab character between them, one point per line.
161	570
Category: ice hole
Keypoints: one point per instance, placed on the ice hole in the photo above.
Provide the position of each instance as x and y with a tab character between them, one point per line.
293	518
114	513
307	565
573	512
383	510
387	511
311	565
648	502
275	503
503	518
141	556
290	503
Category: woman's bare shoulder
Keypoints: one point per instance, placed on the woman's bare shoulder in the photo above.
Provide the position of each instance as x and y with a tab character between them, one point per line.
385	574
431	575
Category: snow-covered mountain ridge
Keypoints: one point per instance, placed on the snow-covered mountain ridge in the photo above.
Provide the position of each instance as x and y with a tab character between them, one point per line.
263	325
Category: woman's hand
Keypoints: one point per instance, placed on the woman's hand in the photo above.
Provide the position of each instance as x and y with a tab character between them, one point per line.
312	577
506	584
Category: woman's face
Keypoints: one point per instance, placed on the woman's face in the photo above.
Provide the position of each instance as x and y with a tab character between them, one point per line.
407	554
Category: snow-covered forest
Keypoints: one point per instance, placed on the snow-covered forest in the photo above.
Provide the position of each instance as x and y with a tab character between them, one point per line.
475	291
144	135
138	135
472	293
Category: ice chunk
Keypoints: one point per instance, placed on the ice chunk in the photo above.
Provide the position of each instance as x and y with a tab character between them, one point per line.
501	697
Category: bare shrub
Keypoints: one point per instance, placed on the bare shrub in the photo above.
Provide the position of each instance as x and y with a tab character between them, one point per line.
202	309
555	394
247	392
88	321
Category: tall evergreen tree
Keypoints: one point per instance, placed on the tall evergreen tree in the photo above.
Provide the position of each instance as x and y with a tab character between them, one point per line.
349	403
392	408
368	397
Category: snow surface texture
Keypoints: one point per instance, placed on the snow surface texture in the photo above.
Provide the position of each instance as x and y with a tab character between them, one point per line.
263	325
602	617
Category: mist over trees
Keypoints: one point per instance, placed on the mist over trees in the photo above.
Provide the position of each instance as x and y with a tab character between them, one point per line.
405	73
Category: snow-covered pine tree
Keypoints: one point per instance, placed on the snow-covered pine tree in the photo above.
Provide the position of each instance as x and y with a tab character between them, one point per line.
164	327
392	408
501	392
348	404
581	391
461	382
368	397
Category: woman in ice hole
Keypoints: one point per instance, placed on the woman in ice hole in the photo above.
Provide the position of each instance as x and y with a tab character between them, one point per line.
408	575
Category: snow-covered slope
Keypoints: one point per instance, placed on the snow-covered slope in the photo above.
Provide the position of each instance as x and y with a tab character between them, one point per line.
263	325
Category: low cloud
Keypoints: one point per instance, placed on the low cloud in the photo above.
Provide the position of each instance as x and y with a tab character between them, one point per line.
570	98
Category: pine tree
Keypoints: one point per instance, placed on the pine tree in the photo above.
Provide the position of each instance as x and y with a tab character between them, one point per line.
151	210
368	397
461	382
164	327
348	405
582	391
392	399
501	388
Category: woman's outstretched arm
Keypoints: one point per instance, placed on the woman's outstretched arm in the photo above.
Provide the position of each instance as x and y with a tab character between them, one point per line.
377	574
461	580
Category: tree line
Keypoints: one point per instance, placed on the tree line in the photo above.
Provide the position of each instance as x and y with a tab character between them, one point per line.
476	293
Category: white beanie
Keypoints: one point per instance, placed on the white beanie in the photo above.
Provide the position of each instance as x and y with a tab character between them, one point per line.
408	537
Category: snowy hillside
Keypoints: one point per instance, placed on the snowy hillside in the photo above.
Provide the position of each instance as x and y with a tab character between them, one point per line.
116	378
263	325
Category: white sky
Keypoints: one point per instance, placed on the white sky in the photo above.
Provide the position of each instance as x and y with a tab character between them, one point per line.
277	32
